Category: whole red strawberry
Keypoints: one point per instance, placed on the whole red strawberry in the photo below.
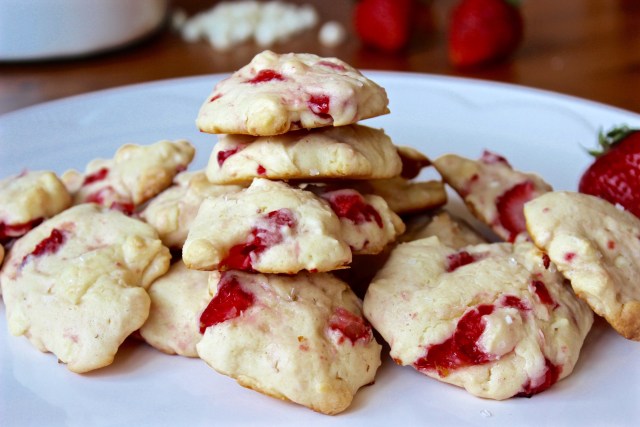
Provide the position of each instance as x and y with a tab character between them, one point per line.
383	24
615	174
483	31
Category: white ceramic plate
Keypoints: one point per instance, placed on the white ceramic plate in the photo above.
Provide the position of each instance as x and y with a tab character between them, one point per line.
537	131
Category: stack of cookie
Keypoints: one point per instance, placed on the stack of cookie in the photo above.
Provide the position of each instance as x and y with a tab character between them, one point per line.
279	321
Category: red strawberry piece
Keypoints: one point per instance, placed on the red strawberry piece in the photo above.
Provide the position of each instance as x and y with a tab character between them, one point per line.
459	259
383	24
351	205
49	245
8	231
352	327
98	175
615	174
510	208
483	31
461	349
266	233
490	158
230	302
548	378
266	76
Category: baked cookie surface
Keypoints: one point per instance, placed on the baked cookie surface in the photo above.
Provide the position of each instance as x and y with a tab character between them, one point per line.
405	196
275	94
300	338
492	190
451	231
496	319
269	227
172	212
28	199
344	152
177	301
134	175
597	247
75	285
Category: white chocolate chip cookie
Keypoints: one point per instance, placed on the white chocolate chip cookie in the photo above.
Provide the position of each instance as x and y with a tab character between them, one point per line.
269	227
172	211
275	94
300	338
355	152
75	285
177	301
597	247
496	319
28	199
492	190
135	174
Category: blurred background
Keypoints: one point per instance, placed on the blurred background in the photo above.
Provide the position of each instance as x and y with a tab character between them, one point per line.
585	48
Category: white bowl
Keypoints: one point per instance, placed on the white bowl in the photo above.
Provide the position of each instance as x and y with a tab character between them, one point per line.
47	29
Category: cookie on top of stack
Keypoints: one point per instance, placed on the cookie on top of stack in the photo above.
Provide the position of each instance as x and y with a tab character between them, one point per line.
279	322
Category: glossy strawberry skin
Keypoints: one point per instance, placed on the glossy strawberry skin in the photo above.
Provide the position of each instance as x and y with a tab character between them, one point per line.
483	31
615	174
383	24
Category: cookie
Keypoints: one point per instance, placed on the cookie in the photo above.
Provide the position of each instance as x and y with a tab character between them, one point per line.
452	232
496	319
75	285
299	338
405	196
492	190
597	247
172	211
28	199
355	152
269	227
135	174
413	161
275	94
177	301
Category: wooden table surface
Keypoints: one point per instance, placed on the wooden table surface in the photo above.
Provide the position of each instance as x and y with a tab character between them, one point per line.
585	48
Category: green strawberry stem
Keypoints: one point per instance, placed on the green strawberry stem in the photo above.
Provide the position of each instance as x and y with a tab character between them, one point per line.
611	138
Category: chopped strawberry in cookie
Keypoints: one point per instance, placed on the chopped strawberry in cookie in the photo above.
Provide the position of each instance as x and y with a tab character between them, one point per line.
275	94
491	318
135	174
76	285
494	192
350	326
269	227
300	338
345	152
368	225
510	204
229	302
